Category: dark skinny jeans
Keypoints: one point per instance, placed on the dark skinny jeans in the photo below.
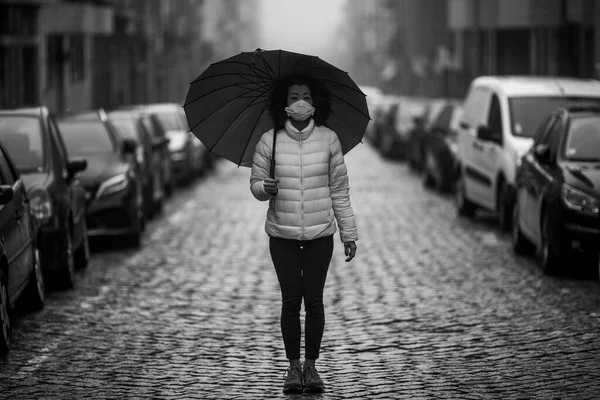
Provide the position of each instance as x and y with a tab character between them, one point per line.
301	268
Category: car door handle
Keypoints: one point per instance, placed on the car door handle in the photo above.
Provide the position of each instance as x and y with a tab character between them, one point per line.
464	125
477	146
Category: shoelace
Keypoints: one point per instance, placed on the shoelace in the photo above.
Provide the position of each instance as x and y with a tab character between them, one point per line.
292	373
311	374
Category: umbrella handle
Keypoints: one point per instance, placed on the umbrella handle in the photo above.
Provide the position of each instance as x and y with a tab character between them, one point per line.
273	155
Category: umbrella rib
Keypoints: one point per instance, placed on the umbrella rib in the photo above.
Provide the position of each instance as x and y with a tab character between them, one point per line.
272	75
214	111
253	128
232	122
264	73
342	84
264	90
240	74
351	105
347	127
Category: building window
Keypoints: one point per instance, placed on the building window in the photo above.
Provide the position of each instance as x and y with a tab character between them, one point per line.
18	76
76	58
54	60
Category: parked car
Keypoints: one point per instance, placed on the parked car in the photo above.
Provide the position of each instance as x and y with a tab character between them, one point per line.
394	137
21	277
557	206
114	191
416	135
440	165
34	142
155	128
500	118
134	125
189	157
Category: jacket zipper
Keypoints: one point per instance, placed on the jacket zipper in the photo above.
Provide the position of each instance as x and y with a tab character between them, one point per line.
301	194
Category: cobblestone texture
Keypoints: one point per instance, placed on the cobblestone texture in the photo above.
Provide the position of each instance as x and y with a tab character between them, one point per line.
431	307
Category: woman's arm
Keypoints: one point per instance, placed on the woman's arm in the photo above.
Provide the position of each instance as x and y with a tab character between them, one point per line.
340	193
260	167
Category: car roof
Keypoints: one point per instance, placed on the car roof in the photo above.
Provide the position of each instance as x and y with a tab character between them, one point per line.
88	115
525	86
29	111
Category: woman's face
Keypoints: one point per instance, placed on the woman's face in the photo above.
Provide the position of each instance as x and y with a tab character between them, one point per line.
299	92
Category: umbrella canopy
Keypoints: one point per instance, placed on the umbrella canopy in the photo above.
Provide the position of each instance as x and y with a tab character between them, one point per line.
227	105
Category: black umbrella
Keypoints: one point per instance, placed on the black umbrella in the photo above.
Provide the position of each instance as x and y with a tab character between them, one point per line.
227	105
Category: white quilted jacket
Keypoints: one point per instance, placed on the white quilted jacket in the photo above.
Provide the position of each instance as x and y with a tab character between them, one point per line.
313	184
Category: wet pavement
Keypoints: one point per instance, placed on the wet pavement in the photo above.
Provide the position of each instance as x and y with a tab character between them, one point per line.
432	307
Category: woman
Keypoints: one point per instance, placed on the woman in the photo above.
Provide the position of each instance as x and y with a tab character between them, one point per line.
307	196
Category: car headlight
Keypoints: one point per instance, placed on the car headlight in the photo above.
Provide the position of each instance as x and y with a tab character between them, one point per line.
41	206
113	185
580	201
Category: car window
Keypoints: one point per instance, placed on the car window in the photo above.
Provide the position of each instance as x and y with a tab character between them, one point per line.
542	129
169	121
443	119
126	126
23	140
457	113
85	137
527	113
554	136
583	140
57	139
7	174
476	107
495	116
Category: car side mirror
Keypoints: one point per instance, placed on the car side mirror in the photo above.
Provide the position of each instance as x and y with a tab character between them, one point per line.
484	133
129	146
76	165
542	153
6	194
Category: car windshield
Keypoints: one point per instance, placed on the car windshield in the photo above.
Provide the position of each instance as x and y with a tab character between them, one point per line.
126	127
22	137
169	121
583	140
86	137
527	113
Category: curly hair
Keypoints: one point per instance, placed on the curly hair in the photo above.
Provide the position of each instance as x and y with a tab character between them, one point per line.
278	99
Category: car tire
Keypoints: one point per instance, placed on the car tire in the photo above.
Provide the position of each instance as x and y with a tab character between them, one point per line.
5	323
520	244
66	275
464	206
550	261
82	254
504	208
34	297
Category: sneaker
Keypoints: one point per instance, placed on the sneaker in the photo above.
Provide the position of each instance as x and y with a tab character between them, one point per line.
293	381
312	380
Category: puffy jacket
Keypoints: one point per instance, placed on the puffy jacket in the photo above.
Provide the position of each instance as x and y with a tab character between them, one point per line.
313	187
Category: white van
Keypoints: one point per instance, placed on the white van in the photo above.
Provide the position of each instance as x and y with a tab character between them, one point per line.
501	115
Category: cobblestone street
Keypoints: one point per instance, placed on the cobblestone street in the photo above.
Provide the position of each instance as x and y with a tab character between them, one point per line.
431	307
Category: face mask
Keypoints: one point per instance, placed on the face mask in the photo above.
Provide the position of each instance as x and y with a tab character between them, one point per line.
300	110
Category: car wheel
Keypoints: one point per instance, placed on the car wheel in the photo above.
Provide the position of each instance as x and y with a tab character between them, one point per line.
464	207
82	254
520	243
504	207
598	268
5	325
549	259
67	273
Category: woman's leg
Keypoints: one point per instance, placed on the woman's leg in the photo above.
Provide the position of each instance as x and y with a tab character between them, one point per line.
287	261
316	258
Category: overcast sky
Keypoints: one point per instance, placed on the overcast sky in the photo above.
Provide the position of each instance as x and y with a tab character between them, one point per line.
304	26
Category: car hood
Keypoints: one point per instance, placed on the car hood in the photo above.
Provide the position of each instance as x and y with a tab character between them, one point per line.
583	176
34	180
100	168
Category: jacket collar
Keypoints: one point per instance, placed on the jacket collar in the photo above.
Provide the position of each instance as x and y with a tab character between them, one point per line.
299	135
